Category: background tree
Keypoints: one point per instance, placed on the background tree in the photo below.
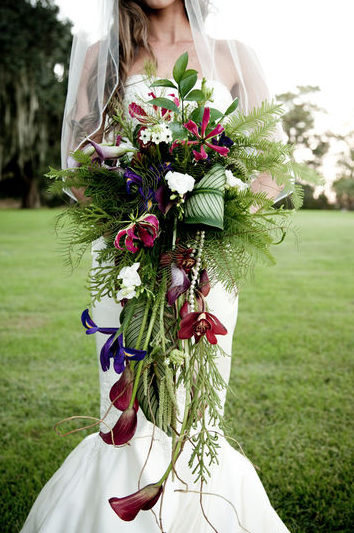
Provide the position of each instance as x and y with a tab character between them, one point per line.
344	186
299	125
33	73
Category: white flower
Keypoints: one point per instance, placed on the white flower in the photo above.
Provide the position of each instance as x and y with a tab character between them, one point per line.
180	183
126	292
130	279
156	137
145	136
160	133
231	181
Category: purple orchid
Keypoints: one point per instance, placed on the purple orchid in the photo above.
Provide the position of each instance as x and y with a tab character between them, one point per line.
113	347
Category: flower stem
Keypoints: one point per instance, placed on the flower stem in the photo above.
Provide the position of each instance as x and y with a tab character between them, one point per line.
146	344
181	440
174	235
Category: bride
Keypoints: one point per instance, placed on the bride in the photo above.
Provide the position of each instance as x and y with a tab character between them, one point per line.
110	62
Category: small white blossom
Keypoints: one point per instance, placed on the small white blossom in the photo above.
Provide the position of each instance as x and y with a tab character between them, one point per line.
232	181
145	136
160	133
179	182
157	137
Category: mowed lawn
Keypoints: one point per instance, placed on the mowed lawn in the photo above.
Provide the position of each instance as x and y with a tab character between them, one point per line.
292	375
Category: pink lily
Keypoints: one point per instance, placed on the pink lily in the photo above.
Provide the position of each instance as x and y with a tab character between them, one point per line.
203	138
137	112
145	230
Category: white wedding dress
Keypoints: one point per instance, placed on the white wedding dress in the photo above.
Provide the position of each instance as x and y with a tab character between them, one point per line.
75	499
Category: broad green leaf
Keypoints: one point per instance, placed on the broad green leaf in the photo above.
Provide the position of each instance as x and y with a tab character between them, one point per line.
149	404
187	84
188	73
163	83
195	96
178	131
205	204
232	107
180	67
164	102
197	115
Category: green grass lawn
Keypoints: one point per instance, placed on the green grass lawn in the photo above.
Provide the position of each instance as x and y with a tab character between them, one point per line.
292	368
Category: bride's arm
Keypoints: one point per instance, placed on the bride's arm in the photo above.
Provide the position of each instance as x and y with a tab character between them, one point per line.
256	88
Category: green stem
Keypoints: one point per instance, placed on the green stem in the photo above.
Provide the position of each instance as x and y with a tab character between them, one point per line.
181	441
174	236
145	347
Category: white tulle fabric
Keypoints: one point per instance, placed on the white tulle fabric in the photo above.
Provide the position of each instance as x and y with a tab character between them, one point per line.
75	500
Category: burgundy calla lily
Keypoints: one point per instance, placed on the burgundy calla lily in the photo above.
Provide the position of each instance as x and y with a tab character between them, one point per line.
204	283
144	230
144	499
202	323
124	429
180	284
121	392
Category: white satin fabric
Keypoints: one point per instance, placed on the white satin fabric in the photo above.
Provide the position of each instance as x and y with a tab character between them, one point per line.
75	500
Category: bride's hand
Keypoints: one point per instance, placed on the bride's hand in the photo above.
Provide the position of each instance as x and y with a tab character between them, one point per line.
265	183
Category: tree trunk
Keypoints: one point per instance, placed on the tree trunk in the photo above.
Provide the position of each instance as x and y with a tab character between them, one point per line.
30	193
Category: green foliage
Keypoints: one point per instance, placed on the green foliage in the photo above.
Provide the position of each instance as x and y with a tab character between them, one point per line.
344	189
205	204
299	124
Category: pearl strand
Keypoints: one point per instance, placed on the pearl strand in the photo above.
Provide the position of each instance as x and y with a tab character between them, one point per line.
201	235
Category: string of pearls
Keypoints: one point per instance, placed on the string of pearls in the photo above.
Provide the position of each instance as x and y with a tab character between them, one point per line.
201	237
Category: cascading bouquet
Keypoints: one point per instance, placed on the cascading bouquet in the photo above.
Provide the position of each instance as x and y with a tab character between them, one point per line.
171	198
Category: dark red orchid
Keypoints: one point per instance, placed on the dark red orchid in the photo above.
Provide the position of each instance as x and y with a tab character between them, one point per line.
180	262
144	499
198	324
124	429
121	392
145	230
182	257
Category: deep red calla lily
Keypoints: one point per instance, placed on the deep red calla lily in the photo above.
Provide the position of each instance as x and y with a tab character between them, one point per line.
124	429
202	323
144	499
121	392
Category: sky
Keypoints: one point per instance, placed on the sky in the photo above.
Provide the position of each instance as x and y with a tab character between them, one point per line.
298	42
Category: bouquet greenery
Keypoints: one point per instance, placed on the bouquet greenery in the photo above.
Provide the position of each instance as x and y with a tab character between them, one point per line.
173	201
